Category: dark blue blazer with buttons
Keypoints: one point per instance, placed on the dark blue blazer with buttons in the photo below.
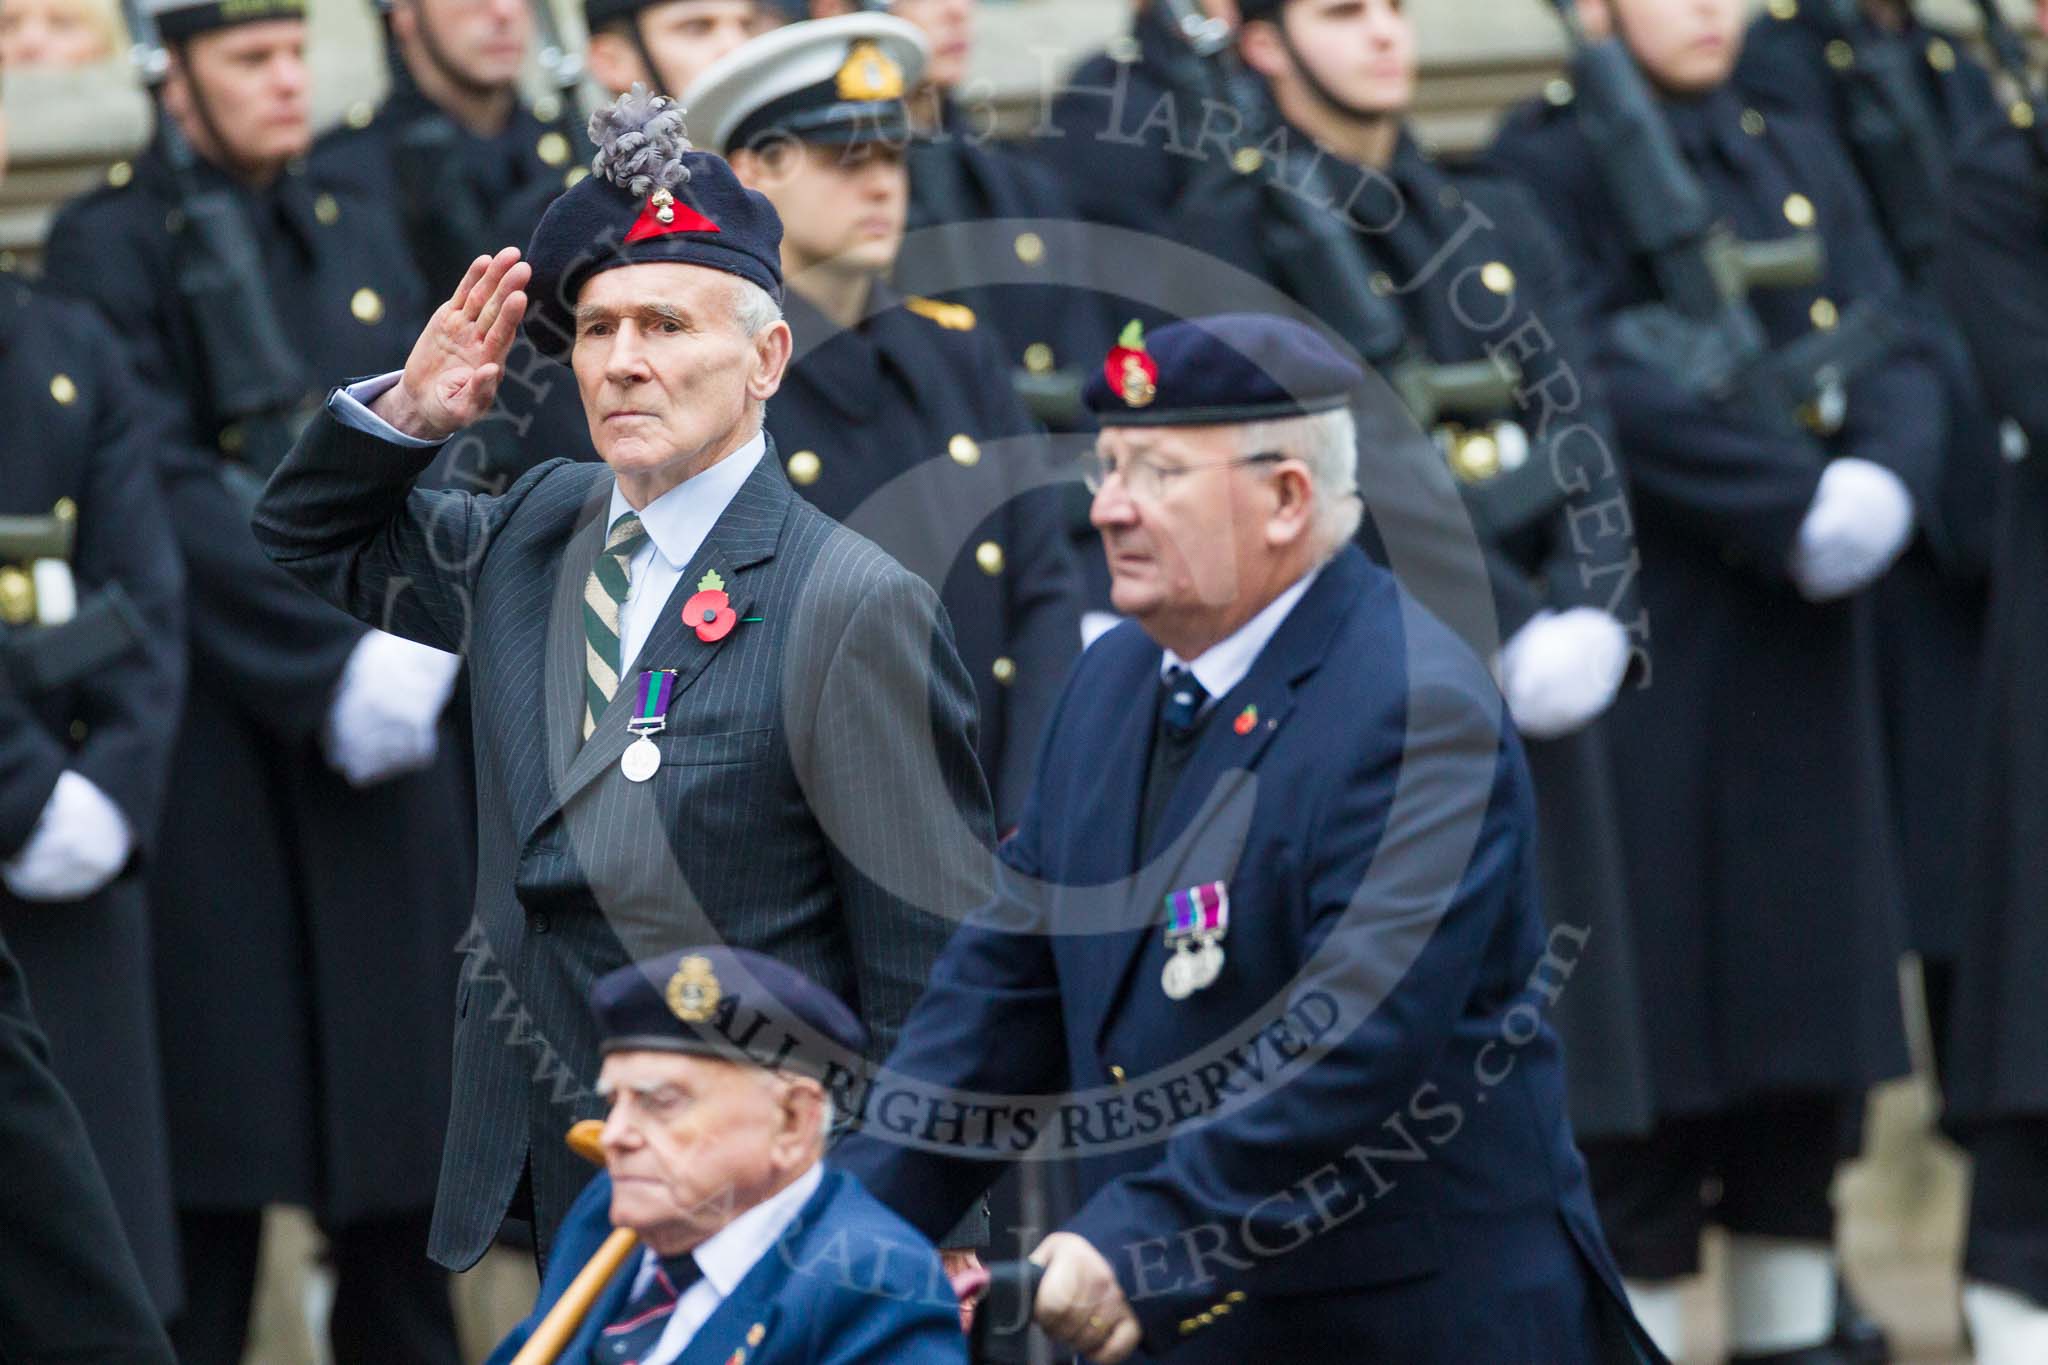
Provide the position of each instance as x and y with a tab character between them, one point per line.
1355	1140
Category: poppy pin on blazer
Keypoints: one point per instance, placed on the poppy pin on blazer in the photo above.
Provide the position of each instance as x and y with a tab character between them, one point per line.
710	612
1247	720
1133	374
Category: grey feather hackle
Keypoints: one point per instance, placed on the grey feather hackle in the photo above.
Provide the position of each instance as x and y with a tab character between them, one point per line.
640	141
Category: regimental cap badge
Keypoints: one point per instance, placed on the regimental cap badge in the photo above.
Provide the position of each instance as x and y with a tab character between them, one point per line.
1132	373
693	992
869	74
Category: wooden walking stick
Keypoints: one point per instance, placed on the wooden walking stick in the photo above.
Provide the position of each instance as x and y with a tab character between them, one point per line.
549	1339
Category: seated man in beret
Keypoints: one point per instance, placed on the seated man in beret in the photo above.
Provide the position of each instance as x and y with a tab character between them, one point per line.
750	1249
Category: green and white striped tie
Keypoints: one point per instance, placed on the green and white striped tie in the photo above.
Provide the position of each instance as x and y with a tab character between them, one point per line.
604	600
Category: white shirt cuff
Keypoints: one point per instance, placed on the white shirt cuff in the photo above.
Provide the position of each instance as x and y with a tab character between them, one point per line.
351	408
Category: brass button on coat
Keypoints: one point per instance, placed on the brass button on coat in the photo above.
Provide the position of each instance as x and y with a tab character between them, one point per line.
553	149
1038	358
964	450
1030	248
1005	670
63	389
367	306
989	556
1799	211
1496	275
805	467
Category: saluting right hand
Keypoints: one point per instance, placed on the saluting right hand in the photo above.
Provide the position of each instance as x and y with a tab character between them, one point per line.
451	379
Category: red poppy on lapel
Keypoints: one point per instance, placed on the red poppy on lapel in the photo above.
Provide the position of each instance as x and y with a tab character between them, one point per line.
710	612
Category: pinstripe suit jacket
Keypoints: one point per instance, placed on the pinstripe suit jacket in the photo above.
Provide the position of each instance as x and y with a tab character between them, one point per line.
818	796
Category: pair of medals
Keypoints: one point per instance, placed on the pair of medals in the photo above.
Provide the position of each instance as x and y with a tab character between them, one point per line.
656	689
1197	920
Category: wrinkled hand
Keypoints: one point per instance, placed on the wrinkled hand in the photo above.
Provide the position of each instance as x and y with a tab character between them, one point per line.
1562	669
1860	523
384	717
81	841
452	376
1080	1304
968	1277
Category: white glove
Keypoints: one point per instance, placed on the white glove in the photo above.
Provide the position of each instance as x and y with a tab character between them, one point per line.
1860	523
80	842
384	713
1562	669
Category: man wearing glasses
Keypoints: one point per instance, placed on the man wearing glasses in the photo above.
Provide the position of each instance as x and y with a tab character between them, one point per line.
1266	953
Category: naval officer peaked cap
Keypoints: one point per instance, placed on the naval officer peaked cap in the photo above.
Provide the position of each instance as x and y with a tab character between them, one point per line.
831	81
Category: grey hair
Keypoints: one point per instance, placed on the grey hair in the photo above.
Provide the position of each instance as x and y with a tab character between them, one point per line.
1327	443
753	307
640	141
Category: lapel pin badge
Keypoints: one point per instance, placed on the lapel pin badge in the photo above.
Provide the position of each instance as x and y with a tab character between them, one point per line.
1247	720
710	612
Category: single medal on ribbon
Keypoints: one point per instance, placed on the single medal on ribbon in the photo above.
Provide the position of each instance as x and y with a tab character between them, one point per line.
1196	921
642	758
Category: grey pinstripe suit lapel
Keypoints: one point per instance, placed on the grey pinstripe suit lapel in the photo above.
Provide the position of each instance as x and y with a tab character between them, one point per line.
743	539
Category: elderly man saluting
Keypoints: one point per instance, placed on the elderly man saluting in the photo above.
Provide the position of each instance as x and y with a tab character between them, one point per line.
703	710
1268	934
752	1251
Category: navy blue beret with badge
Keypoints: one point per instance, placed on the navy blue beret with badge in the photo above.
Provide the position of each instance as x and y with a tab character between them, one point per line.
730	1003
650	197
829	82
1216	371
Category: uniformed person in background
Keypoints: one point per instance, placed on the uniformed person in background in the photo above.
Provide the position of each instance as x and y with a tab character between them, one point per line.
960	174
1755	818
1463	269
467	166
1995	1074
83	768
1899	96
897	416
666	44
314	806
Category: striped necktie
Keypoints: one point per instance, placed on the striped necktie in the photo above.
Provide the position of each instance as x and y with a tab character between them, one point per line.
645	1316
604	601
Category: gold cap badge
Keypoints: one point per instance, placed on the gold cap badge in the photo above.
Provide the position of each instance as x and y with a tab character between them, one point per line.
870	73
693	992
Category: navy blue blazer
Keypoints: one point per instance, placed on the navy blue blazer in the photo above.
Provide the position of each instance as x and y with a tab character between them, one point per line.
1356	1138
848	1281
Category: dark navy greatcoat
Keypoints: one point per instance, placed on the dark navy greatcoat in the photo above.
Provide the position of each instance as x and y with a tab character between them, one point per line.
959	174
1997	266
1449	234
1754	798
1932	607
80	433
906	429
847	1283
1355	1140
306	989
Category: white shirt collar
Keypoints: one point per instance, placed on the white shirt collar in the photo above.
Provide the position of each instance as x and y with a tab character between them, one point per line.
727	1255
679	520
1224	664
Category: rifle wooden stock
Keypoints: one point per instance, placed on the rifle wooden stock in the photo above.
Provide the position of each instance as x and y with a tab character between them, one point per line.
566	1317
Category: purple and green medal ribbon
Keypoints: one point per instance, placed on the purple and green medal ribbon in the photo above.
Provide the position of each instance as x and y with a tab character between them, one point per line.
1198	912
657	689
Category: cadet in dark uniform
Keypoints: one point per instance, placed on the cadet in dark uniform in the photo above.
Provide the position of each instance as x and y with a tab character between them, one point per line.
959	175
1899	96
83	768
666	44
1995	1075
883	417
1467	271
468	167
69	1285
1755	819
305	907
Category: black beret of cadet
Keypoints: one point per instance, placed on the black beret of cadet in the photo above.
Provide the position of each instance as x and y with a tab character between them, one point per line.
1215	371
650	197
177	20
728	1003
